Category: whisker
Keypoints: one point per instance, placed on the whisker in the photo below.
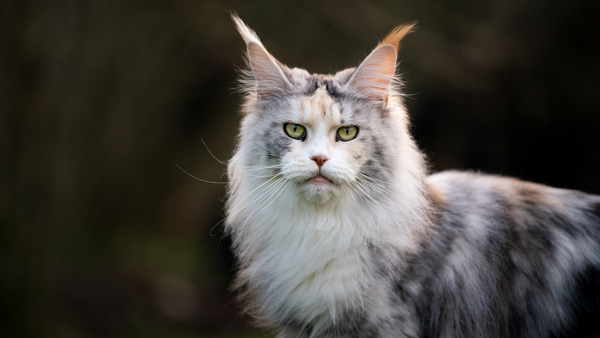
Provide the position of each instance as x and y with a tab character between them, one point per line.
375	179
285	184
210	152
278	178
272	191
225	163
381	187
369	201
382	190
260	167
197	178
244	207
376	184
216	182
256	168
366	201
247	204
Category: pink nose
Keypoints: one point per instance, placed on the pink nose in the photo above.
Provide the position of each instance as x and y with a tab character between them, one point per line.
320	160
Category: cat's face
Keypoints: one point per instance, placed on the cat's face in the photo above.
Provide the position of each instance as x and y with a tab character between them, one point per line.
320	143
328	134
324	139
331	151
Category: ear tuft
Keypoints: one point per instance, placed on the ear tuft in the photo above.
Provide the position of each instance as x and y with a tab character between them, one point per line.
397	34
373	78
267	77
247	34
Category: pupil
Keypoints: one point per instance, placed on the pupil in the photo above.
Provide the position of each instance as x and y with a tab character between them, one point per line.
295	127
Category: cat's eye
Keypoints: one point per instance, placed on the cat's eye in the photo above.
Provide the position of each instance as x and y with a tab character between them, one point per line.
295	130
347	133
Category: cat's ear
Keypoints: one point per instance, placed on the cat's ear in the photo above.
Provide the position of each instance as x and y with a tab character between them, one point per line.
374	76
266	71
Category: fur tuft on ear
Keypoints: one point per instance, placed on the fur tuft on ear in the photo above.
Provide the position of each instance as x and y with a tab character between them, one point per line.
393	38
247	34
375	75
266	76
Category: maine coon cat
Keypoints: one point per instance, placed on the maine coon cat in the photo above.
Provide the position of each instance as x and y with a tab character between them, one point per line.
339	231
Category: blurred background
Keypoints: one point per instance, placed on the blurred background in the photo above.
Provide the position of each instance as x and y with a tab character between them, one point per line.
101	235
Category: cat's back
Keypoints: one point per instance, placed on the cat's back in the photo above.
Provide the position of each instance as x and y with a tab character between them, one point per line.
521	258
498	199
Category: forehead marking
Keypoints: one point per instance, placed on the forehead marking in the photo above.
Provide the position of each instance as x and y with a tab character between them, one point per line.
321	106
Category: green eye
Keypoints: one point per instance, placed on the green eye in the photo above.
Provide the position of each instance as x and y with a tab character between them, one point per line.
347	133
294	130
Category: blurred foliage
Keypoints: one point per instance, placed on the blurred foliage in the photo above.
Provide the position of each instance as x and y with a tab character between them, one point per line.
103	236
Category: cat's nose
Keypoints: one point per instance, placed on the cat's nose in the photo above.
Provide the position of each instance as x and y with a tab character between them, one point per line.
320	160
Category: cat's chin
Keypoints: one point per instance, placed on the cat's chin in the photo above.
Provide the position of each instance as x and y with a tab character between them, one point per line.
319	190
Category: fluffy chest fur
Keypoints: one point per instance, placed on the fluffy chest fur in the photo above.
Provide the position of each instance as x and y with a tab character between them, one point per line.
313	267
314	263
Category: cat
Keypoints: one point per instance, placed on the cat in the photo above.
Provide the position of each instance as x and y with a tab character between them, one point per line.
339	230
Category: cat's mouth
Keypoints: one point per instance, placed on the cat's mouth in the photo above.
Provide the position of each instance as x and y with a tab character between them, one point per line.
320	178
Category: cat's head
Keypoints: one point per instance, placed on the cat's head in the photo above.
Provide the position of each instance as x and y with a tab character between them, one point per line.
324	133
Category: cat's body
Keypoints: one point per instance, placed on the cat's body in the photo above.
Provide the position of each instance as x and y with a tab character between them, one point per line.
508	258
339	232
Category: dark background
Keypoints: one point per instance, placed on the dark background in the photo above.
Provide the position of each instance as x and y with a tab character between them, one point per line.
103	236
